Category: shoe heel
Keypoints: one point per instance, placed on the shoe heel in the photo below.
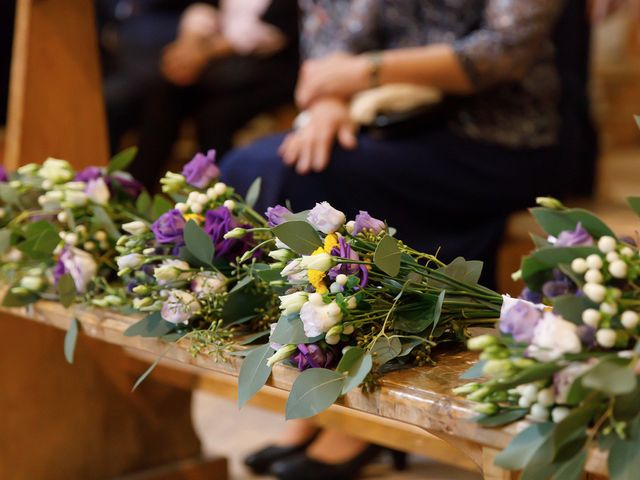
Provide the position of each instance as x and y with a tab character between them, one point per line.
400	460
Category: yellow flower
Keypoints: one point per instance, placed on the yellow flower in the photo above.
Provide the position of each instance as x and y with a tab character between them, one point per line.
316	277
195	217
330	241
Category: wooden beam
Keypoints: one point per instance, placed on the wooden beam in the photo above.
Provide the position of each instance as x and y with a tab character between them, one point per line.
56	106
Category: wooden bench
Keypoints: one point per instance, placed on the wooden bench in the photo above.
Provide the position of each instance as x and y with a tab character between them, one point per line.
419	397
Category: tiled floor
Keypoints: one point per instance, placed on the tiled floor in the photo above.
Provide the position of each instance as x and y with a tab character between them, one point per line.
231	433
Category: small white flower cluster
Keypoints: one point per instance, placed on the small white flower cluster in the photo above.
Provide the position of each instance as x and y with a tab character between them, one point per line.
540	402
33	281
612	264
80	237
198	202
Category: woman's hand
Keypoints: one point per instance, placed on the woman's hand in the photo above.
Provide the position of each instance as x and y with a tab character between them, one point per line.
339	75
309	147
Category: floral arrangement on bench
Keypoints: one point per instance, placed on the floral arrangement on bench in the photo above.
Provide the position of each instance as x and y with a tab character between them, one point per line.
566	356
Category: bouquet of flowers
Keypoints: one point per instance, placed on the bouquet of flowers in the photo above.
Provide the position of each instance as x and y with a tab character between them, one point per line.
183	268
566	356
358	303
58	230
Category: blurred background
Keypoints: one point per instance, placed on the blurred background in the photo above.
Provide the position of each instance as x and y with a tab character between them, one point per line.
178	77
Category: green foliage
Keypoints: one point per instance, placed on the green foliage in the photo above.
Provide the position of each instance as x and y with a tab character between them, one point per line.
536	267
475	371
67	290
634	203
356	363
121	160
104	221
467	271
313	391
253	194
385	350
143	204
160	205
522	448
150	326
70	340
387	256
148	371
241	306
299	236
254	373
289	330
198	242
611	375
624	460
502	418
12	300
556	221
5	240
41	240
570	307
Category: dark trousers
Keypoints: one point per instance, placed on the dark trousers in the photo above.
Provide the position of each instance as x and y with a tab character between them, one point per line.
229	93
441	191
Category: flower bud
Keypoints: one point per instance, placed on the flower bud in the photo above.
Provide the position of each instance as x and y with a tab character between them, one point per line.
173	182
479	395
466	388
550	202
282	354
558	414
348	329
132	261
342	279
141	290
481	342
498	368
486	408
350	226
237	232
140	303
320	262
293	302
114	300
135	228
539	413
32	283
352	303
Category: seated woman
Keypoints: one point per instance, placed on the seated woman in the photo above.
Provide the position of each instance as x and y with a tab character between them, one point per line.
448	185
227	64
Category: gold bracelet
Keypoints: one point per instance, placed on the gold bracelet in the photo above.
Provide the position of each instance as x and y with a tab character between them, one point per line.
375	59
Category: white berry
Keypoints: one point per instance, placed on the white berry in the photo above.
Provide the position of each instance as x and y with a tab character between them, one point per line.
182	207
593	276
612	256
579	265
342	279
546	398
629	319
595	292
219	189
539	413
594	261
626	252
609	308
229	204
558	414
618	269
606	337
524	402
591	317
607	244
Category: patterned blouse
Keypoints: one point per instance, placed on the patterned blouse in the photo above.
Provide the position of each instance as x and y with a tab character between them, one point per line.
504	46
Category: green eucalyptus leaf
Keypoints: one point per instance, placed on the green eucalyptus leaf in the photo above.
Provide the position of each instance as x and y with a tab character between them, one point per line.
5	240
289	331
148	371
241	306
634	203
572	468
385	350
13	300
143	203
299	236
612	375
624	460
121	160
556	221
41	240
467	271
251	198
315	390
387	256
571	307
539	371
198	242
437	310
150	326
522	448
104	220
248	340
254	373
67	290
356	363
502	418
160	206
70	340
475	371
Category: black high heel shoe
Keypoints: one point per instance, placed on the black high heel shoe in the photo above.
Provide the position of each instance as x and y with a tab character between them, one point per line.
260	462
301	467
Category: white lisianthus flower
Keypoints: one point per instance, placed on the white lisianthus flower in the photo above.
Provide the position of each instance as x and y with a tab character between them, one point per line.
179	307
318	319
553	337
293	267
281	255
98	192
74	198
320	262
283	353
29	169
325	218
172	271
135	228
133	260
208	283
293	302
80	265
56	170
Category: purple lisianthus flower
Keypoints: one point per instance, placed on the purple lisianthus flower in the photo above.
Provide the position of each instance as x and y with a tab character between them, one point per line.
3	174
169	227
560	285
201	170
519	318
125	183
89	173
531	296
343	250
79	264
217	223
276	215
312	356
364	221
575	238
